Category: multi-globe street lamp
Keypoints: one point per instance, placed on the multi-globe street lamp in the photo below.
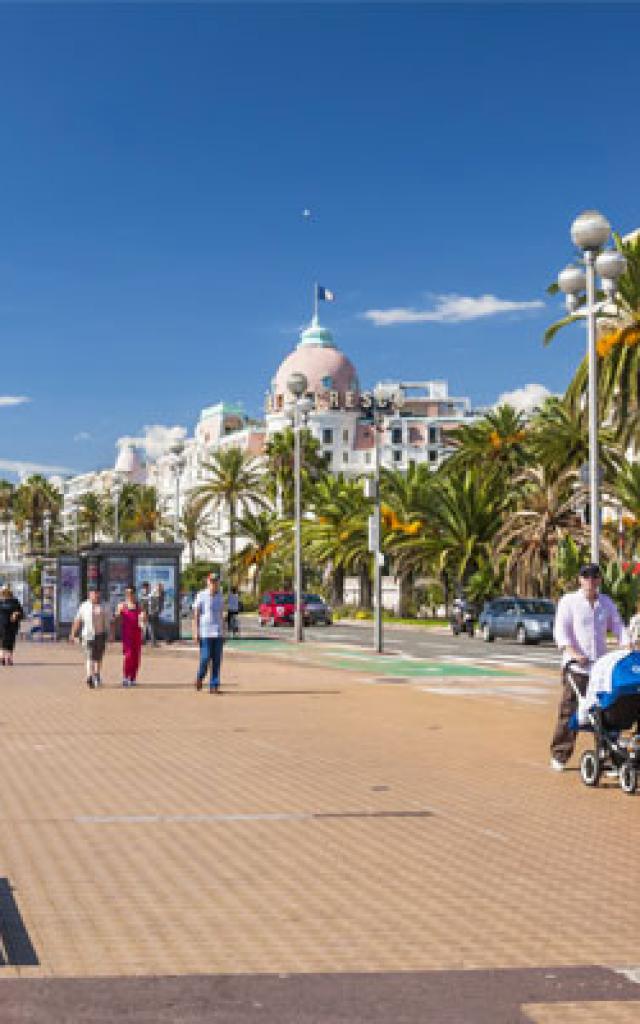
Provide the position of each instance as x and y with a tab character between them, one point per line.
385	399
116	489
178	464
300	406
590	232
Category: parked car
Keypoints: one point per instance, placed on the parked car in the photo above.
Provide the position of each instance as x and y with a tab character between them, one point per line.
525	619
316	611
276	608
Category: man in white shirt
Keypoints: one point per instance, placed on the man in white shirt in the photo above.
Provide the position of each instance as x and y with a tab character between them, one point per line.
92	618
583	620
208	632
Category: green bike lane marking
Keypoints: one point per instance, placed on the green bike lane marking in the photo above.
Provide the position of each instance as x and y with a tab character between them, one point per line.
385	665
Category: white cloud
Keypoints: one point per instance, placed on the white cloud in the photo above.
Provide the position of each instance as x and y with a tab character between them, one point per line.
82	435
6	400
155	439
22	469
525	399
451	309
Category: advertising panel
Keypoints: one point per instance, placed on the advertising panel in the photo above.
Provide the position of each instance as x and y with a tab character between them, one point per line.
69	590
118	579
158	572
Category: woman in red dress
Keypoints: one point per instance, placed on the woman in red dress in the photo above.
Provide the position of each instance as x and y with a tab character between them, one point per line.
131	623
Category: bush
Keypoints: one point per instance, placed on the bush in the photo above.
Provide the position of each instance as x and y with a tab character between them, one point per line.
194	575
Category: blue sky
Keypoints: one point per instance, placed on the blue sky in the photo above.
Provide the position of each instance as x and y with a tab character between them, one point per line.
155	161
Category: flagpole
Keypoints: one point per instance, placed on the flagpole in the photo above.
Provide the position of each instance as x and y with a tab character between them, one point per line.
315	302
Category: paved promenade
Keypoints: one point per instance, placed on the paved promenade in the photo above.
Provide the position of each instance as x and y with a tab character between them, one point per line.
307	823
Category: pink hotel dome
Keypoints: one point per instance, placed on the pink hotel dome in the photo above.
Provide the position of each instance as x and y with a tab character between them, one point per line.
325	366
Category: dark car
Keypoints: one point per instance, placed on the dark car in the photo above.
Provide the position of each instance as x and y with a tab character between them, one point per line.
316	611
277	608
528	620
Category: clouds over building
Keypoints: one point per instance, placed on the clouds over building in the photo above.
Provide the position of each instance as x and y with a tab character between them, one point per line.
154	440
451	309
526	399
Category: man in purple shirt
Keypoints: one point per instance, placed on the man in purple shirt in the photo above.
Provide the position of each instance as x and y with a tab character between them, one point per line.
582	622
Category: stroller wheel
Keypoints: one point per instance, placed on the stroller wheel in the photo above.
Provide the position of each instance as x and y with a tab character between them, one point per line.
628	778
589	768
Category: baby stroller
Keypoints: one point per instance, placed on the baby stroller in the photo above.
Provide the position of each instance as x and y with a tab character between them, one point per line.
609	708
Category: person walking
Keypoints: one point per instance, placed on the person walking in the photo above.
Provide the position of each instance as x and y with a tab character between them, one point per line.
145	600
92	620
208	632
11	614
583	619
132	622
154	609
233	610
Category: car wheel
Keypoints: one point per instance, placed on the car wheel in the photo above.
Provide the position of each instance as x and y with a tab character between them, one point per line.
521	635
487	635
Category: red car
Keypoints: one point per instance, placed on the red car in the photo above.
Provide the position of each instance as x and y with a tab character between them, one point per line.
277	608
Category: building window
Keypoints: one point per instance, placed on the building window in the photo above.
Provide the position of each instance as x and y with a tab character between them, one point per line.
397	456
396	435
329	459
367	458
433	456
327	382
345	456
345	435
433	435
327	435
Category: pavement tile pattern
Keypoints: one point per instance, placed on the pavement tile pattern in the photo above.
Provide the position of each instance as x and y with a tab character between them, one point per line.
301	823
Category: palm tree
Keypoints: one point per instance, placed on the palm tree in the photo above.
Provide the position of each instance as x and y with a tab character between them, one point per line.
497	441
35	496
407	501
337	535
91	511
7	492
262	531
618	345
559	439
195	525
235	483
280	467
145	515
626	489
533	531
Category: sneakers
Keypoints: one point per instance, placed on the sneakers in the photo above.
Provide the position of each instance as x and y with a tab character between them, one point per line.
214	687
556	765
125	682
198	684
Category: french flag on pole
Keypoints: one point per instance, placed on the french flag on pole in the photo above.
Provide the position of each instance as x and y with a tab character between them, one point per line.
324	295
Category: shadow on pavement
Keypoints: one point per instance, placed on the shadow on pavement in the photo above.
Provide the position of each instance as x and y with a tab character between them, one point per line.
16	948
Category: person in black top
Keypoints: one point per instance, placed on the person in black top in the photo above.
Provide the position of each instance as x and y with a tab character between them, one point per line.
10	614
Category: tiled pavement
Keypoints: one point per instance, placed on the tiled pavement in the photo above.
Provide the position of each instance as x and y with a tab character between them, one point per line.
301	823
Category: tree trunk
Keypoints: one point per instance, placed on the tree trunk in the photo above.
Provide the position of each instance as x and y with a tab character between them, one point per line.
232	535
366	595
338	585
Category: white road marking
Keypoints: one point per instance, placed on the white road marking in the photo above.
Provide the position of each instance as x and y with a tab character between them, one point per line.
630	973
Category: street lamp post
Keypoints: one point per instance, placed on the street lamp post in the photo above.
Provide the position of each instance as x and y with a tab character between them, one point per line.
178	464
297	385
116	489
590	233
385	398
46	526
75	524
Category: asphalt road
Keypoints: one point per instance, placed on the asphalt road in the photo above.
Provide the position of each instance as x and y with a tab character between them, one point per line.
415	641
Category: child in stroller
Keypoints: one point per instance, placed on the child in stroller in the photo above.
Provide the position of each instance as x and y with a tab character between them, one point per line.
609	708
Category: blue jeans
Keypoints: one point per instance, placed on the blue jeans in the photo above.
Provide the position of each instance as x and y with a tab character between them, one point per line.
210	651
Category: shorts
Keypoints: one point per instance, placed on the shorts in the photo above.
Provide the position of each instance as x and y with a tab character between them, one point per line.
97	646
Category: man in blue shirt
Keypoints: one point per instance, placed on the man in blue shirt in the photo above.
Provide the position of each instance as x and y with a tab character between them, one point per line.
208	631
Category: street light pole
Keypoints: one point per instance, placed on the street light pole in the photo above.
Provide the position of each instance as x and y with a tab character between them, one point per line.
117	492
590	233
297	385
377	567
46	523
592	362
178	465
